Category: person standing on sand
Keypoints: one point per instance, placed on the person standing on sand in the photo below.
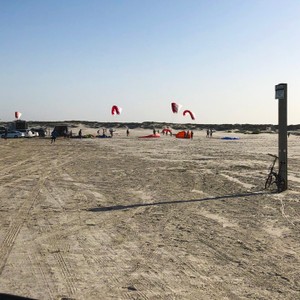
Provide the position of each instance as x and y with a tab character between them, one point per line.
80	133
127	132
192	134
111	132
53	136
5	133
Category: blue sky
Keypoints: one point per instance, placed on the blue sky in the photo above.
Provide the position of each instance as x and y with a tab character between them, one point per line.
74	59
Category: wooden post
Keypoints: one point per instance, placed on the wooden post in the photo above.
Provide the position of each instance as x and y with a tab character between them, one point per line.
281	95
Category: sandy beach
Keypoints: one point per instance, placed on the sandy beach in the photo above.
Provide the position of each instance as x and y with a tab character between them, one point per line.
130	218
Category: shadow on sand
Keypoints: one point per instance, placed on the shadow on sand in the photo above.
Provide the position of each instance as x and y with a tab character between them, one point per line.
123	207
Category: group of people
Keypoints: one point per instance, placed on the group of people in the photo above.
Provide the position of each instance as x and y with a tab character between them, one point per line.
66	134
104	132
209	133
188	134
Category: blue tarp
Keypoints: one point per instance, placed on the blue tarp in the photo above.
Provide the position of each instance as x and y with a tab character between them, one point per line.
230	138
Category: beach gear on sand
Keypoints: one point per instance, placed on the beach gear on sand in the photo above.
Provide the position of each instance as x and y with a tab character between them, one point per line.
230	138
166	130
157	135
183	135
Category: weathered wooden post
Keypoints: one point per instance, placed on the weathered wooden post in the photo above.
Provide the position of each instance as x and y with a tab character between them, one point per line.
281	95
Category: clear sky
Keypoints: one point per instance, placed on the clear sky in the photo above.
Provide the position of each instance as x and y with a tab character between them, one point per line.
74	59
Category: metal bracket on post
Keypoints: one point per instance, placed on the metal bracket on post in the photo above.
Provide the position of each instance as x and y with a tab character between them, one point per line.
281	95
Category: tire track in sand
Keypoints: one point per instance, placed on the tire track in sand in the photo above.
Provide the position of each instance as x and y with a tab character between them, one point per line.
18	220
38	269
17	223
67	274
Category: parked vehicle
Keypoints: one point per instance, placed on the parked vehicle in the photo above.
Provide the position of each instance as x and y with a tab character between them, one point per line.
29	133
13	134
41	132
62	130
2	129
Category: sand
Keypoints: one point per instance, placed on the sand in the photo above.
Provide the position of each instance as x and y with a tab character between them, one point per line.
129	218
